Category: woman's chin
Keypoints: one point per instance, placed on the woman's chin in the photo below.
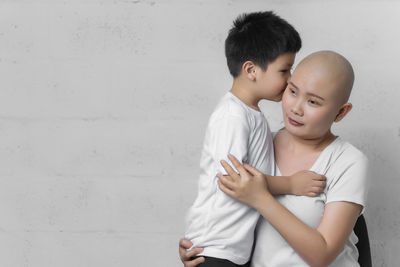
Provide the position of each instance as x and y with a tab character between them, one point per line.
296	131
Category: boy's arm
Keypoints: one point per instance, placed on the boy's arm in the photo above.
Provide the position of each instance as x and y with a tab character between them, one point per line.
303	183
228	135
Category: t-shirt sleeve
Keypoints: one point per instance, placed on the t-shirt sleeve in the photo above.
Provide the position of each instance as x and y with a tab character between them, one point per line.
351	181
228	135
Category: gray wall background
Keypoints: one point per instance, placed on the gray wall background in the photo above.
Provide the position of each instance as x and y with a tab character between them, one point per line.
103	107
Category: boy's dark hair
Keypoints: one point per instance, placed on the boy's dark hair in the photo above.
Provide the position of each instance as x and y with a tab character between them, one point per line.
260	37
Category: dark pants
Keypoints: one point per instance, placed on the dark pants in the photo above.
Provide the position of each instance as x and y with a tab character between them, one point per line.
216	262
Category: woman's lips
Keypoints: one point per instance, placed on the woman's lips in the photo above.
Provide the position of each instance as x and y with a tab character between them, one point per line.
295	123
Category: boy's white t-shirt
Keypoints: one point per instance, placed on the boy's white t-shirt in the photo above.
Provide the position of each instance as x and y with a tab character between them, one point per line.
345	168
223	226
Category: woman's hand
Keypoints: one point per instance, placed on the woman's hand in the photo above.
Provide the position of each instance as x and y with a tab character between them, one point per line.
249	186
186	256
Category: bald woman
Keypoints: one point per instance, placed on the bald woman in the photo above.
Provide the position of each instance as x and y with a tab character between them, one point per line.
299	230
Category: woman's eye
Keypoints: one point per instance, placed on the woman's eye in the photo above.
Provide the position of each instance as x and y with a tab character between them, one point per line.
312	102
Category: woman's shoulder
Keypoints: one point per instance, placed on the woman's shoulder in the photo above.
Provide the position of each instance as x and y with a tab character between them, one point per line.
343	159
347	152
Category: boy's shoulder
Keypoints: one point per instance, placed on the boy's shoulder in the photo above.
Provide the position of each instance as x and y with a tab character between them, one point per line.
230	107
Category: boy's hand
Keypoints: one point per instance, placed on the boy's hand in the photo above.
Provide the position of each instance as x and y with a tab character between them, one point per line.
186	255
307	183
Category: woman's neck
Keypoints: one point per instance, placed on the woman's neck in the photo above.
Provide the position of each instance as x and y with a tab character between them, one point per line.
300	145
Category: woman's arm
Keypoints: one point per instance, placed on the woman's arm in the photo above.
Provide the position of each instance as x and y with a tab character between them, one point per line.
318	247
186	255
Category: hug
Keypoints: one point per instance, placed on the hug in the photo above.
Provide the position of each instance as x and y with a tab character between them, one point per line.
289	198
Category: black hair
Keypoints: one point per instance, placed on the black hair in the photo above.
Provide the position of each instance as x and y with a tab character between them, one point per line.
260	37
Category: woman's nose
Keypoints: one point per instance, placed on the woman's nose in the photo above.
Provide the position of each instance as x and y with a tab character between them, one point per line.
297	108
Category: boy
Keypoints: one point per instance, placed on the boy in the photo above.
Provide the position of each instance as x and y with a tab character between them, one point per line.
260	51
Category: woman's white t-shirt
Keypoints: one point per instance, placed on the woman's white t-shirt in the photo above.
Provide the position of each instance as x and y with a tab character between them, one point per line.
345	168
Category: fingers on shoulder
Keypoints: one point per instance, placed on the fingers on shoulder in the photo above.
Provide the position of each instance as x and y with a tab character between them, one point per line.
235	162
228	168
226	180
224	177
251	169
226	187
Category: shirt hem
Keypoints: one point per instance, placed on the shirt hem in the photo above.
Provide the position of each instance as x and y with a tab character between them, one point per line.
222	254
355	201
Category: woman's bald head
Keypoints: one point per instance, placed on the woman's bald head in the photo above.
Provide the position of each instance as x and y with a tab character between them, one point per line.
330	68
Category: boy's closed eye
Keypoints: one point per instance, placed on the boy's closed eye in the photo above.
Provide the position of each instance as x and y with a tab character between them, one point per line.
285	70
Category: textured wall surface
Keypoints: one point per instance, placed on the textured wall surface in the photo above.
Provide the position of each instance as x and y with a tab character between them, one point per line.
103	107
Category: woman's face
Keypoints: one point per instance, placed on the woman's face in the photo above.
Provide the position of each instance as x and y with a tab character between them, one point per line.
309	103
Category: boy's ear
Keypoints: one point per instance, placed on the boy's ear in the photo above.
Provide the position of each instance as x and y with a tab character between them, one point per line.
249	70
343	111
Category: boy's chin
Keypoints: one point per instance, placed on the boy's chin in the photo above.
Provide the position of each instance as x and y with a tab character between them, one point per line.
276	99
279	97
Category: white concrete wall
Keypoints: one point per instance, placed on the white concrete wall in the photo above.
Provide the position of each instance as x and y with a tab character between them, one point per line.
103	107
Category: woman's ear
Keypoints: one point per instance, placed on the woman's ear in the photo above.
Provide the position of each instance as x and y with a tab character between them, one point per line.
249	70
343	111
